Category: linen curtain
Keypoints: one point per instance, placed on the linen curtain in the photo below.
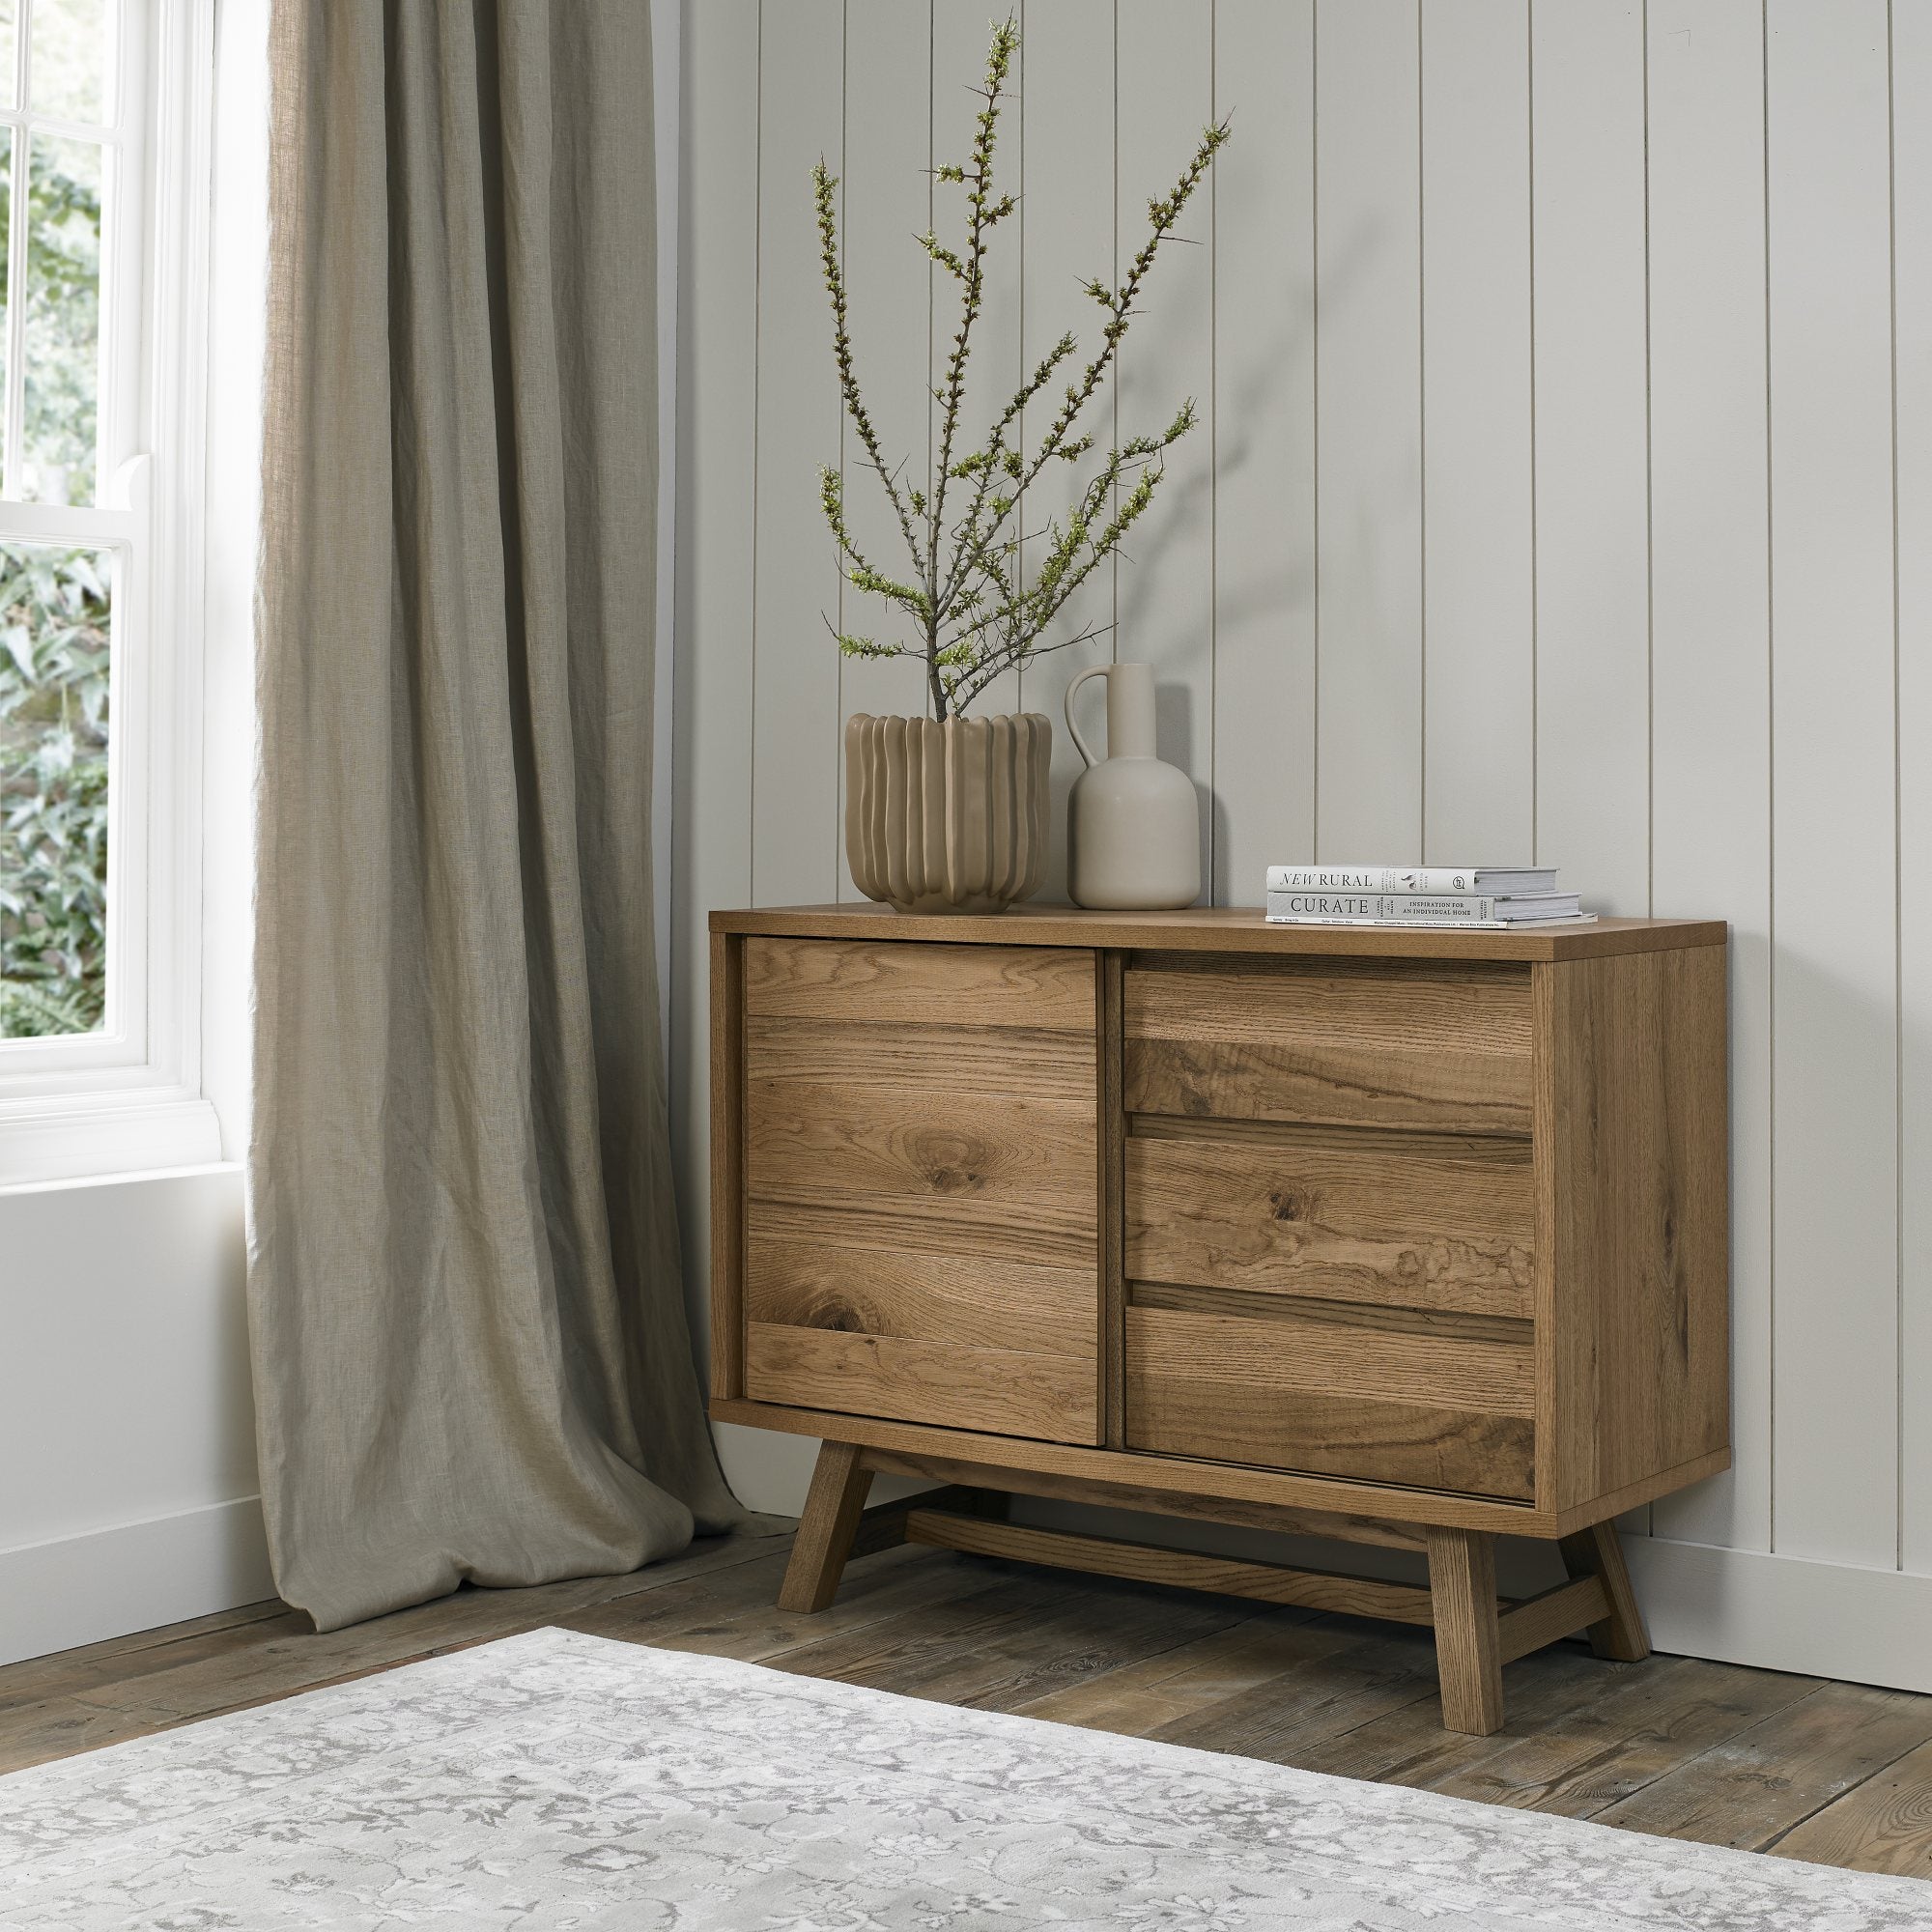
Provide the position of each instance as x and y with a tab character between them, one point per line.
471	1351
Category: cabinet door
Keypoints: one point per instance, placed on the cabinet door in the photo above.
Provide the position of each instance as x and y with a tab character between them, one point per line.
921	1163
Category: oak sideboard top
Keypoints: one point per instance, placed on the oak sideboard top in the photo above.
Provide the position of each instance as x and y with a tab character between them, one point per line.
1219	930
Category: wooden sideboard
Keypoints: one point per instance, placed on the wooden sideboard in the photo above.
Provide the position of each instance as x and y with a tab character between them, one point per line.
1401	1237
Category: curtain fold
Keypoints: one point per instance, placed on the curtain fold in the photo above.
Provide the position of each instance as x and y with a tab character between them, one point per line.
470	1351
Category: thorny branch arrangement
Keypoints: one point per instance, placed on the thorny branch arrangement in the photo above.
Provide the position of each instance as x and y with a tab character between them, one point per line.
974	610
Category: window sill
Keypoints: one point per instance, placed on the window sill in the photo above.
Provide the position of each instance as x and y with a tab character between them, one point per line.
99	1136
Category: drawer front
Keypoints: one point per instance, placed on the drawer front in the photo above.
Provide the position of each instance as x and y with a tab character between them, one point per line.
1337	1215
1380	1044
920	1163
1440	1411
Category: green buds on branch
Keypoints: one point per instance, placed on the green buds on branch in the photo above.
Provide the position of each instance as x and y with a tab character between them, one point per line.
971	610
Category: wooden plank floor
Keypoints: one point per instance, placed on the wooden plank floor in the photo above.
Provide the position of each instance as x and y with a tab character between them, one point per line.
1837	1773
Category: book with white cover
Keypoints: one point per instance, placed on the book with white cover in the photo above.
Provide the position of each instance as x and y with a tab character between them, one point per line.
1433	909
1489	879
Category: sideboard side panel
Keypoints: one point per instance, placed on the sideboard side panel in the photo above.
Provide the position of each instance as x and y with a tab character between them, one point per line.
1110	983
727	1174
1633	1247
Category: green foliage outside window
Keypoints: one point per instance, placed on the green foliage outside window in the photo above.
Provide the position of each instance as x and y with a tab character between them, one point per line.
63	320
53	789
55	606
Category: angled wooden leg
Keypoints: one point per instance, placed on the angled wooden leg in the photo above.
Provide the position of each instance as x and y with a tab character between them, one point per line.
1596	1552
825	1531
1463	1582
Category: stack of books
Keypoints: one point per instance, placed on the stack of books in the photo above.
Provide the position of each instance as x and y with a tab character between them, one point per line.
1495	896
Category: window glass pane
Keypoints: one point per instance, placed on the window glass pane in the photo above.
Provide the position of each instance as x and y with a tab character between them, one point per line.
54	610
10	15
62	356
67	65
7	142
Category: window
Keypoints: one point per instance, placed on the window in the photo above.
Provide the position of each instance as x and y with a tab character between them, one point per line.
103	189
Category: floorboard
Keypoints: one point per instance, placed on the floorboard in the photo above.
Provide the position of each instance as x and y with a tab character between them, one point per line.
1761	1783
1408	1745
1139	1699
1358	1671
1882	1825
1649	1722
1841	1774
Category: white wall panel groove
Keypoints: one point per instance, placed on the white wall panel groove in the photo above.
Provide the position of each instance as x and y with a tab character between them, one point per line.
1834	1035
1479	617
1710	802
1166	100
886	199
794	763
1066	236
1912	363
1264	426
1592	488
1368	388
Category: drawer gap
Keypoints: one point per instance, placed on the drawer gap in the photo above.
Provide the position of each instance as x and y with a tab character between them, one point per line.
1351	1134
1264	1305
1331	966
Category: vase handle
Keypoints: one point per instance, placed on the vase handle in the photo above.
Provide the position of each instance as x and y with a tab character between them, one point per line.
1079	744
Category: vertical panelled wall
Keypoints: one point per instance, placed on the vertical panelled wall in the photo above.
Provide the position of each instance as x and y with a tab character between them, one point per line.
1563	487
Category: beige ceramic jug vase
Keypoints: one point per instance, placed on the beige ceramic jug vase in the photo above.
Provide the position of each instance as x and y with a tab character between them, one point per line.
1133	830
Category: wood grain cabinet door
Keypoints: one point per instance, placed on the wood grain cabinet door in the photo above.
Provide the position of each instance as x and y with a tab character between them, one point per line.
920	1202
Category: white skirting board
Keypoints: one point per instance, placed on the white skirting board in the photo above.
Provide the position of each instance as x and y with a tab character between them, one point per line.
1785	1613
111	1582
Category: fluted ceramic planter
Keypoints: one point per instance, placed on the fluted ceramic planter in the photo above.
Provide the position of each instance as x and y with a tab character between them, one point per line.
947	817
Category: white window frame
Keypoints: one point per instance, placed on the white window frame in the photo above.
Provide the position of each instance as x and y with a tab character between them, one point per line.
129	1096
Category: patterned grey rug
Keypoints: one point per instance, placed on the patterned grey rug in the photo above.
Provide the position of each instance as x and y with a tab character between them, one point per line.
555	1780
